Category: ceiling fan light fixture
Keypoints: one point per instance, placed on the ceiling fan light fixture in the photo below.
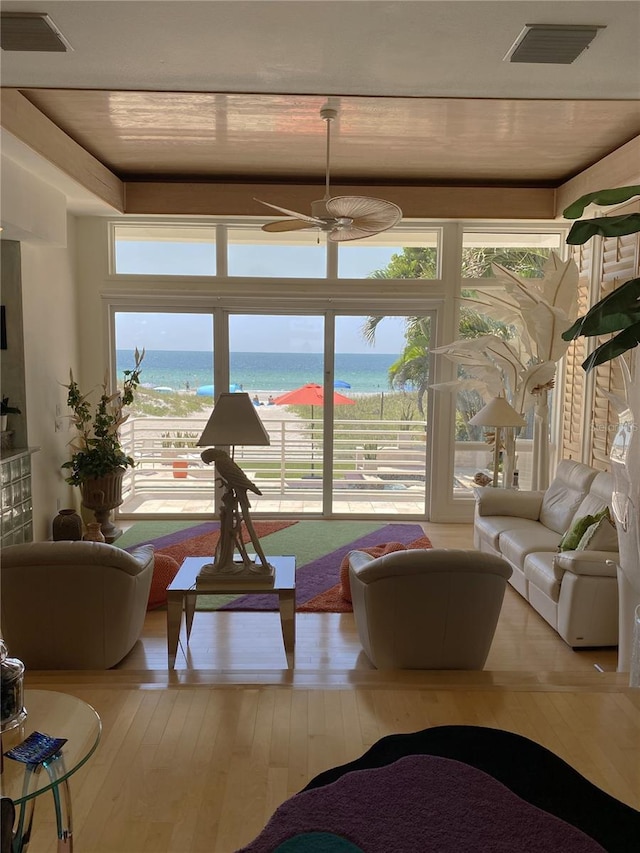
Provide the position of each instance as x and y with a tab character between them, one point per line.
557	44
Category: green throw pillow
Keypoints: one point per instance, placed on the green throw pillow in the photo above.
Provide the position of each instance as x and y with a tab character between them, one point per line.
574	534
601	536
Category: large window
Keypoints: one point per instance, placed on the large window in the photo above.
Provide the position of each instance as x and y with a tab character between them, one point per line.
496	367
358	319
393	254
521	252
159	250
295	254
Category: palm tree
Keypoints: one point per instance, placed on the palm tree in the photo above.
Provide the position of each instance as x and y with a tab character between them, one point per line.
412	366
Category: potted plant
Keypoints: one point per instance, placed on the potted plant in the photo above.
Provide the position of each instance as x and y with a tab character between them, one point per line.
98	460
618	314
5	411
180	439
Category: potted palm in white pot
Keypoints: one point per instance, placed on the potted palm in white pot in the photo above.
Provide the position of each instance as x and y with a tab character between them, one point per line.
98	461
618	314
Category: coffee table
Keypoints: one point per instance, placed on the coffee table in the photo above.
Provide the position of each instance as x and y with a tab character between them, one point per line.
182	593
58	715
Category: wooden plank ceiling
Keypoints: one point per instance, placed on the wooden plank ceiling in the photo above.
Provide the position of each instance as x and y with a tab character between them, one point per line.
281	138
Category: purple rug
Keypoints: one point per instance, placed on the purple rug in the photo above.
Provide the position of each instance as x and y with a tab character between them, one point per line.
319	575
422	803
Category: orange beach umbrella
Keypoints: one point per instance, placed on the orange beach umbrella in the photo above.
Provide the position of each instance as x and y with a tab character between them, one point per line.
312	395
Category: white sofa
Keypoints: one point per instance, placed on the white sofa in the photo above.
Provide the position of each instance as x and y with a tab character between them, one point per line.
575	591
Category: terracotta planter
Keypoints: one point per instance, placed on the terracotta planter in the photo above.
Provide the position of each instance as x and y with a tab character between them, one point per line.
94	532
180	469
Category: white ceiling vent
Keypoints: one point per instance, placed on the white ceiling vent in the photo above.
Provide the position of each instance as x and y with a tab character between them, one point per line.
558	44
30	31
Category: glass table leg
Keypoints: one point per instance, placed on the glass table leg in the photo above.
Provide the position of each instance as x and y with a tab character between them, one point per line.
61	803
22	832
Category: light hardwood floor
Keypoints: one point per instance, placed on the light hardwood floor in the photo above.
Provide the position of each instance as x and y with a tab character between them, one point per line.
198	758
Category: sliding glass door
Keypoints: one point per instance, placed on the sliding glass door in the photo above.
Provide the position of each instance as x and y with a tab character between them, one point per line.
170	410
381	377
278	359
342	396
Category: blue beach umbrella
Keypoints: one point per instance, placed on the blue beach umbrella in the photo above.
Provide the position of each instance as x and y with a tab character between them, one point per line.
340	383
205	391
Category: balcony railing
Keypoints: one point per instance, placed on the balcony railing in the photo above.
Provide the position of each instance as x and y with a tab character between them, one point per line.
373	461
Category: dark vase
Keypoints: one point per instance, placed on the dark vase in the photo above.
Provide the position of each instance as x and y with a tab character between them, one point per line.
67	525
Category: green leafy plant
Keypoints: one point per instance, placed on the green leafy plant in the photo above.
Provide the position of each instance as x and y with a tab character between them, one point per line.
6	409
620	310
96	449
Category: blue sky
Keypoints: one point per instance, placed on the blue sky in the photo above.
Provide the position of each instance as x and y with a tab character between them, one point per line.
356	260
250	333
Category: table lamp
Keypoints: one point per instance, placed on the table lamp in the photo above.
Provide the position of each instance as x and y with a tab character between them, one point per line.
233	421
498	413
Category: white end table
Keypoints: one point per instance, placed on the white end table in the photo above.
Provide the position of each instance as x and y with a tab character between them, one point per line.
182	593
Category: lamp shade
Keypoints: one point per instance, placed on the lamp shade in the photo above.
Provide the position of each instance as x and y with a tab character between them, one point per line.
234	420
498	413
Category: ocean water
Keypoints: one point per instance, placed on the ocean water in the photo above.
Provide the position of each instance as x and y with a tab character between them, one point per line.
366	373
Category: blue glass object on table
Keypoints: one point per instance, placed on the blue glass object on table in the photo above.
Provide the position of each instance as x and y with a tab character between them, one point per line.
36	749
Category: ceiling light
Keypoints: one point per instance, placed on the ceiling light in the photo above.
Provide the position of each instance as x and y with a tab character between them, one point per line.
558	44
31	31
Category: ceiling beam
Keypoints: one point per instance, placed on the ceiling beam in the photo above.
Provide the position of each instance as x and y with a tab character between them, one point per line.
19	117
621	168
416	202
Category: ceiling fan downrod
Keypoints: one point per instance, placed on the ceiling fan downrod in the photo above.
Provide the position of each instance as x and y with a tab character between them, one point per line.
328	114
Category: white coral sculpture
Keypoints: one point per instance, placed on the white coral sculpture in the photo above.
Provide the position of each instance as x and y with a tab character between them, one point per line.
540	309
524	368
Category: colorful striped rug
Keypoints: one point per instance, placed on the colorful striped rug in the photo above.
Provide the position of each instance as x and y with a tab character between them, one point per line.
319	547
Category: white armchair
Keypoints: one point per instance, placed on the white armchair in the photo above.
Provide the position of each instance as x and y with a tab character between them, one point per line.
430	608
74	605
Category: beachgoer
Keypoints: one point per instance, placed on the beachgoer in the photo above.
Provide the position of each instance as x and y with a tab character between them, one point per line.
187	385
256	400
270	400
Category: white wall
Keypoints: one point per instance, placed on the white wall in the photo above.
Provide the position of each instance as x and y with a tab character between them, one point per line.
35	214
50	315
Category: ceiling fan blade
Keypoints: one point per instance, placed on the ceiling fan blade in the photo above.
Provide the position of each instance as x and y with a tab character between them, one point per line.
341	234
369	214
291	212
288	225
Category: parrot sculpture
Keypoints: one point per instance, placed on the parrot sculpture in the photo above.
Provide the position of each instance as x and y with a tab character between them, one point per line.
228	470
235	510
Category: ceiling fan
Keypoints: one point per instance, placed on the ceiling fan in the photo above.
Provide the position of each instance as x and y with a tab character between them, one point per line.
348	217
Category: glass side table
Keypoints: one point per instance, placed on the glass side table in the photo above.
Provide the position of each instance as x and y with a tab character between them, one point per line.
59	715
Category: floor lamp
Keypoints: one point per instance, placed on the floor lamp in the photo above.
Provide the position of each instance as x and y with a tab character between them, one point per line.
497	414
234	421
